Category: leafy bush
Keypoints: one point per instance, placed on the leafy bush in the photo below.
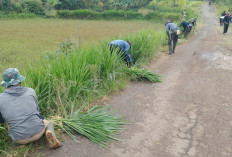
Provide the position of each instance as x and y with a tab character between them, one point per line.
121	15
16	16
78	14
32	6
87	14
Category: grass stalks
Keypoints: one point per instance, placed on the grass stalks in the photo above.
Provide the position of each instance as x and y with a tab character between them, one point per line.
142	75
98	124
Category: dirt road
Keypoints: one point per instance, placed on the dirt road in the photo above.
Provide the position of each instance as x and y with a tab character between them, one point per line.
188	114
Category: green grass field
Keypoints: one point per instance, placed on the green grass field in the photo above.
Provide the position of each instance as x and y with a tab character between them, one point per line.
23	42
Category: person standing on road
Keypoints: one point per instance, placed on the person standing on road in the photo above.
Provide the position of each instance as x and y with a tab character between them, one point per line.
122	47
222	18
19	108
172	32
226	21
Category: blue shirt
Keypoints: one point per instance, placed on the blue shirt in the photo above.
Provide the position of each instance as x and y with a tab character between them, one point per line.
123	44
170	26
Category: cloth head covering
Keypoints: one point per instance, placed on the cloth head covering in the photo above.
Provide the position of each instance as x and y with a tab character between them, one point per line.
11	77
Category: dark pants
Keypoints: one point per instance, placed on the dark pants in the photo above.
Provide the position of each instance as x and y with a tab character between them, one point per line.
225	28
221	21
187	31
1	119
172	42
124	55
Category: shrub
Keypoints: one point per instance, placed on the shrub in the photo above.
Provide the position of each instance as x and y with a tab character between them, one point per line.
162	17
78	14
33	6
16	16
87	14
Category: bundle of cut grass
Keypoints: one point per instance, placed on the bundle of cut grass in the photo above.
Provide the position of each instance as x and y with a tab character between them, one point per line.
142	75
98	124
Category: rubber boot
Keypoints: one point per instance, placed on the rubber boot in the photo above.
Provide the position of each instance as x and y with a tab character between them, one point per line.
51	136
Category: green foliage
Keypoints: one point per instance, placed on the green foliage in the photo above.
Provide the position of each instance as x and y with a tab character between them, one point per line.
223	5
4	138
32	6
224	2
142	75
121	15
111	14
101	5
17	16
77	76
98	124
170	13
162	16
144	44
78	14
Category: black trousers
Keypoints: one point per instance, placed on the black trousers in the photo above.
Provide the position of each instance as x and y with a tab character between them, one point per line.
172	42
1	119
187	31
225	28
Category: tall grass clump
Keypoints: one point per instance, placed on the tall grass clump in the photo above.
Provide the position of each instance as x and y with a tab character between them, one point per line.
76	76
145	44
85	74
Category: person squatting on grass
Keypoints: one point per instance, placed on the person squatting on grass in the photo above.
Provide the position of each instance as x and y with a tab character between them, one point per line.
172	36
122	47
226	21
187	27
19	108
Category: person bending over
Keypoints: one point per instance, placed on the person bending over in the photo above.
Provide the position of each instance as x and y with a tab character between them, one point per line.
122	47
172	33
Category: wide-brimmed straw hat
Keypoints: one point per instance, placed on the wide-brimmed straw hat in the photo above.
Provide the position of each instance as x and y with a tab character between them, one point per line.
11	77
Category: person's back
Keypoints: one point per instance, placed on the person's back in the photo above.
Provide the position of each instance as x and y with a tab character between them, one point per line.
171	27
123	44
172	36
224	13
18	107
227	19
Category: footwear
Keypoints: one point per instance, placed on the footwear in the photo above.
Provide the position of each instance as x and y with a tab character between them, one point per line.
51	137
169	52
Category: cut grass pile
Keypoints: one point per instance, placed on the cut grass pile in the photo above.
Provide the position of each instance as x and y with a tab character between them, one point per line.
142	75
98	124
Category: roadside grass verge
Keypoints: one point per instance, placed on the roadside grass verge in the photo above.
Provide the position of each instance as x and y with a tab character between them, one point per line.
84	75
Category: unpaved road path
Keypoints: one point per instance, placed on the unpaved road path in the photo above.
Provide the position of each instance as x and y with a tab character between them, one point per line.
188	114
